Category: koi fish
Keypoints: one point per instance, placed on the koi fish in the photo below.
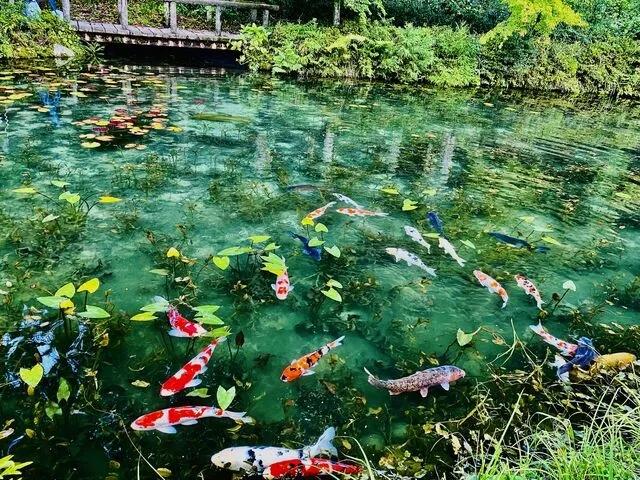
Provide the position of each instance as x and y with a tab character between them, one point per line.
444	244
493	286
347	200
416	236
318	212
419	381
181	327
566	348
185	377
360	212
313	252
528	286
165	420
517	242
584	357
257	459
282	286
302	366
410	258
312	468
435	222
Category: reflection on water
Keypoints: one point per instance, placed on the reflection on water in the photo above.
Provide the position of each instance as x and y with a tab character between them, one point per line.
203	161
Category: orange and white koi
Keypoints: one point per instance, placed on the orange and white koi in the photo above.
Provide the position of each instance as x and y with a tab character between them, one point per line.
282	286
181	327
360	212
165	420
185	377
528	286
492	285
318	212
565	348
302	366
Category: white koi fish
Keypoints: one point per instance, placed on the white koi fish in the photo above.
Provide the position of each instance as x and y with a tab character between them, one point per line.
444	244
410	258
528	286
347	200
416	236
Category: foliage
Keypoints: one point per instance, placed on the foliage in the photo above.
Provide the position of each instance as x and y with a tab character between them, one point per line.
607	18
9	468
365	8
538	17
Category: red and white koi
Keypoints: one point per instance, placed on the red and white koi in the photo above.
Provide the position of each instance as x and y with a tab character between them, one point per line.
181	327
347	200
360	212
282	286
312	468
492	285
565	348
416	236
185	377
530	289
165	420
318	212
444	244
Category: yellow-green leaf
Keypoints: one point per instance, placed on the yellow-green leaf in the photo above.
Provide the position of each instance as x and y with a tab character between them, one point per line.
232	251
465	338
334	283
109	199
173	253
72	198
90	286
94	312
551	240
390	191
409	205
307	221
26	190
315	242
333	294
32	376
67	290
225	397
199	392
164	472
335	251
59	183
64	391
51	302
321	227
140	383
259	238
221	262
144	317
468	243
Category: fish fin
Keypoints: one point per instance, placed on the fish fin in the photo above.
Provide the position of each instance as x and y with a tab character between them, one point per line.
189	422
559	363
176	333
336	343
273	285
204	369
394	393
308	373
193	383
445	385
505	303
167	429
424	392
291	287
324	444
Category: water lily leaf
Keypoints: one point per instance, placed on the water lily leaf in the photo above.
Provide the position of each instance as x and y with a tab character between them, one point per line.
431	235
273	258
335	251
72	198
551	240
333	294
225	397
64	391
26	190
173	253
210	319
32	376
90	286
164	472
67	290
90	144
67	304
4	434
50	218
233	251
52	409
321	227
144	317
334	283
275	268
468	243
199	392
203	309
218	332
390	191
315	242
51	302
160	271
569	285
409	205
259	238
307	221
109	199
94	312
465	338
155	307
140	383
221	262
59	183
271	246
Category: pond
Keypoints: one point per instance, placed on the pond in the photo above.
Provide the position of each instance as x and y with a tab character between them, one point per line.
142	178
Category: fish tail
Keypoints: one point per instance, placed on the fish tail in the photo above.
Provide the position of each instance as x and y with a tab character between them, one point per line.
461	261
539	329
336	343
373	380
324	444
563	368
240	417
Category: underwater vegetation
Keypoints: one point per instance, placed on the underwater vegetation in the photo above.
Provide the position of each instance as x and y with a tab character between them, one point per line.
226	286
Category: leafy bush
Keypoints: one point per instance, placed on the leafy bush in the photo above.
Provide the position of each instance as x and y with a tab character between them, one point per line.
608	18
21	37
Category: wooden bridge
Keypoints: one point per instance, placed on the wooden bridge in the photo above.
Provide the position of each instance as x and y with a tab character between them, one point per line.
170	35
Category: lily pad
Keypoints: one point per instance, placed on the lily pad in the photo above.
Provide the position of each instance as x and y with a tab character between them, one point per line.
408	205
221	262
569	285
465	338
225	397
94	312
333	294
90	286
335	251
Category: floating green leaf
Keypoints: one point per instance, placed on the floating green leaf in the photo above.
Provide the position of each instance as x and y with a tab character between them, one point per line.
50	218
173	253
140	383
67	290
551	240
409	205
94	312
334	283
210	319
144	317
204	309
307	221
390	191
315	242
51	302
218	332
26	190
109	199
160	271
59	183
569	285
321	227
465	338
468	243
51	409
431	235
69	197
333	294
199	392
64	391
32	376
275	268
225	397
335	251
90	286
233	251
259	238
271	246
221	262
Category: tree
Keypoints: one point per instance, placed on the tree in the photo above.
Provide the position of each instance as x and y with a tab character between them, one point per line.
539	17
363	8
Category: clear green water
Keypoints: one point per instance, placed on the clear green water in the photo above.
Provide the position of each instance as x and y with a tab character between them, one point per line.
483	162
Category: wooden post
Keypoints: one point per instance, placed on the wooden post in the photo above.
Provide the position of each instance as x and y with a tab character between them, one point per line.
123	11
218	19
336	12
254	15
173	17
66	10
208	14
265	18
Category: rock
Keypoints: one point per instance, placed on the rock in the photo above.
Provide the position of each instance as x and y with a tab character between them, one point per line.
60	51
